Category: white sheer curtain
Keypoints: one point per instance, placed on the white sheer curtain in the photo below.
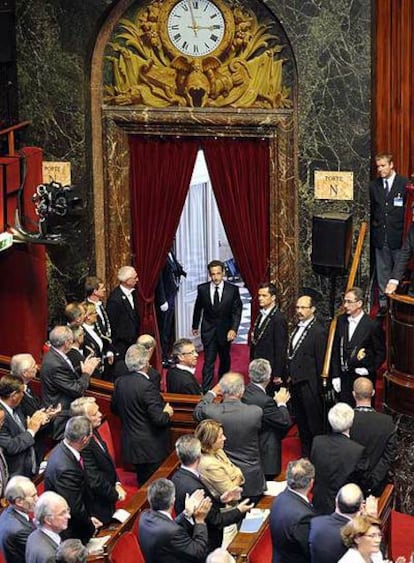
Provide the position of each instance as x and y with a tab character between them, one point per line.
196	243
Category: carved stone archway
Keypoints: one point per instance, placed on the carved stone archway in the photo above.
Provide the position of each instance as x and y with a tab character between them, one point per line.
111	125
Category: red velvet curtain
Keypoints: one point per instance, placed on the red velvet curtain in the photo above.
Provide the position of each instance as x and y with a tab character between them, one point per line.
160	172
239	172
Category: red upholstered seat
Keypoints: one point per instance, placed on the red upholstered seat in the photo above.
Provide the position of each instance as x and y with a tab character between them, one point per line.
106	435
262	551
127	550
402	535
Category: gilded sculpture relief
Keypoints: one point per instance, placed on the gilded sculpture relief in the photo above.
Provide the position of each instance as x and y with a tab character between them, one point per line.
195	53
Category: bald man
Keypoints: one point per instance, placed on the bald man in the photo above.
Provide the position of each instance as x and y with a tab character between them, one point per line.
377	432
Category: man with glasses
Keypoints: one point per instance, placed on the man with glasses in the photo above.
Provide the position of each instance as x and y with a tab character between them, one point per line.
358	349
180	378
306	352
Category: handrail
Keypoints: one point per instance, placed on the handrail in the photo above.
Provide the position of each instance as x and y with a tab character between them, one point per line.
350	283
9	131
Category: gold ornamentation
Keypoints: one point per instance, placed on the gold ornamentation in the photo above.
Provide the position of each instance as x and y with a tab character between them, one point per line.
243	70
361	354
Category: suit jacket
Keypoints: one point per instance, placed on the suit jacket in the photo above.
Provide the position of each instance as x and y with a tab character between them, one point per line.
242	424
124	321
305	360
275	423
369	335
60	384
102	477
144	431
182	381
325	542
387	220
103	325
218	473
338	460
40	548
4	473
186	481
65	476
169	541
377	433
14	531
217	321
18	445
407	251
30	402
270	342
290	519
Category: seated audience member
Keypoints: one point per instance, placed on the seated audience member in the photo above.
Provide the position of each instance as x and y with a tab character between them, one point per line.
52	516
103	482
325	538
180	378
4	470
74	314
217	471
276	418
165	540
291	515
337	459
375	431
65	474
96	345
15	524
17	435
75	353
187	481
72	551
59	381
220	555
362	536
241	424
144	416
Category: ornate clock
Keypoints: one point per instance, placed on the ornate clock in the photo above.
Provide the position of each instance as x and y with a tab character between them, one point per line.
196	28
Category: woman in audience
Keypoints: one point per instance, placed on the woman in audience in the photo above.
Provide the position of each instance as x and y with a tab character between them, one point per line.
362	535
217	472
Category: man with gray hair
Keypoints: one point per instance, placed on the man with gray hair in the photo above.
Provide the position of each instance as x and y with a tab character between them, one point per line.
52	516
72	551
241	424
144	416
65	474
15	524
276	418
180	378
337	459
25	366
59	380
122	311
291	515
150	344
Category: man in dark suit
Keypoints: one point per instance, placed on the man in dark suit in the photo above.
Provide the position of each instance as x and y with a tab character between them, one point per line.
180	378
337	459
95	292
387	196
66	475
407	252
173	541
60	383
375	431
358	348
17	435
291	515
150	344
187	480
123	311
4	470
103	481
241	424
270	335
144	416
52	516
325	541
25	366
276	419
15	524
306	353
219	304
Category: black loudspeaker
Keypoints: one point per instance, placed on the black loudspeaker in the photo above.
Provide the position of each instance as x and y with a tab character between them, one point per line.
7	32
331	243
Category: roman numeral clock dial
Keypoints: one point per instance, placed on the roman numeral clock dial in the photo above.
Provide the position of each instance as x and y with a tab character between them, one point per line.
197	28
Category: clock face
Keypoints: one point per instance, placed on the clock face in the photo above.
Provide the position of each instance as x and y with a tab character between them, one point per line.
196	27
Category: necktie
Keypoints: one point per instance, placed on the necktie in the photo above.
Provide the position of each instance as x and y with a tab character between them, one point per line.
386	188
216	301
81	463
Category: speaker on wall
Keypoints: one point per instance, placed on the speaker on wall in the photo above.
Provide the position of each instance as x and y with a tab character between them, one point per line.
331	243
7	32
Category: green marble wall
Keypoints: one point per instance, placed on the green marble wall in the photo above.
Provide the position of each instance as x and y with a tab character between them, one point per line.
331	41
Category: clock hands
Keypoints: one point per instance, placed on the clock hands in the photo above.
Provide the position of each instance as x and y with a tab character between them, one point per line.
194	25
209	27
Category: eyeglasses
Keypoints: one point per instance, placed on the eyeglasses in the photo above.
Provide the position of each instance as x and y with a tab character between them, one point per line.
302	307
374	535
193	352
350	301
